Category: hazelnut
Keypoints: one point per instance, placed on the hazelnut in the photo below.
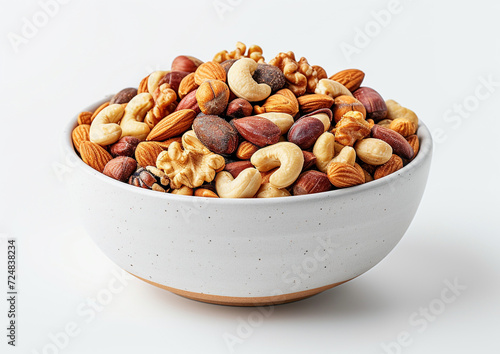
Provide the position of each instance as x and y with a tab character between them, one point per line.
344	104
120	168
227	64
124	147
124	96
376	108
239	108
174	79
186	63
212	97
189	102
311	182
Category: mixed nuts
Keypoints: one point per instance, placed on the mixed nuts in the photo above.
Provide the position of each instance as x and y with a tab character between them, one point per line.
238	127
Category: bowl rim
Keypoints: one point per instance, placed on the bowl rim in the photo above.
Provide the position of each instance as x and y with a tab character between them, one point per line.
425	153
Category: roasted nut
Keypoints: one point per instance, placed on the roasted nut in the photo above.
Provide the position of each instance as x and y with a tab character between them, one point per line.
189	102
266	175
98	110
84	118
350	78
124	147
239	108
120	168
216	134
269	75
385	123
244	186
79	134
313	102
351	127
284	121
331	88
183	191
151	178
257	130
283	101
267	190
346	155
398	143
287	156
254	52
209	71
375	106
132	122
344	104
206	193
321	73
212	97
296	81
154	80
147	152
395	111
226	64
191	166
172	125
187	85
373	151
343	175
309	160
245	150
143	85
94	155
124	96
185	63
414	143
235	168
310	74
104	130
174	79
165	103
403	126
305	131
311	182
395	163
324	150
324	115
243	85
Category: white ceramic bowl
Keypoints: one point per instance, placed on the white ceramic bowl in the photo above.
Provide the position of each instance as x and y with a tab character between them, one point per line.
247	251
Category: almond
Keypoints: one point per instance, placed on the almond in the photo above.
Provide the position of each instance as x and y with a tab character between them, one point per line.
147	152
209	71
85	118
343	175
311	103
414	143
257	130
309	160
216	134
143	85
246	150
321	73
283	101
187	85
207	193
189	102
311	182
99	109
395	163
120	168
398	143
403	126
350	78
165	144
80	134
172	125
94	155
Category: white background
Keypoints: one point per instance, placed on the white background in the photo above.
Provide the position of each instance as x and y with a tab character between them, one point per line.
429	56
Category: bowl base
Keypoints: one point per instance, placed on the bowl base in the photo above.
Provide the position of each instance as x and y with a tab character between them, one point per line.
244	301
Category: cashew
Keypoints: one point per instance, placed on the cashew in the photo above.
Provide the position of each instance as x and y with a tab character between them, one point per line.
184	190
244	186
331	88
132	122
104	129
267	190
324	150
283	120
287	156
346	155
243	85
154	79
395	110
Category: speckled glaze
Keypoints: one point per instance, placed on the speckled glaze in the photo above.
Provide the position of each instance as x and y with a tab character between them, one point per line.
247	251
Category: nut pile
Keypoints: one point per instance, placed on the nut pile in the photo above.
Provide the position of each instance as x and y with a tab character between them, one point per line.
238	127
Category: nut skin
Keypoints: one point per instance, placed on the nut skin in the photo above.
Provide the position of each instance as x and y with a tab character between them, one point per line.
414	143
186	63
309	160
120	168
257	130
147	152
209	71
186	86
124	96
395	163
399	144
246	150
189	102
174	79
344	104
314	102
311	182
343	175
239	108
212	97
270	75
321	73
124	147
403	126
216	134
375	106
305	131
234	168
150	177
350	78
373	151
226	64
